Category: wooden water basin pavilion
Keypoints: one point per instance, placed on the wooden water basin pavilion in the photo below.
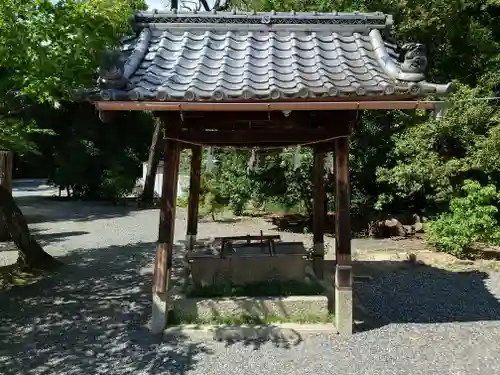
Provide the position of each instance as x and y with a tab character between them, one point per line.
229	79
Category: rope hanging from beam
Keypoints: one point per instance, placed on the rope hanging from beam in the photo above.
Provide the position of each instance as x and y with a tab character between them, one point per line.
260	148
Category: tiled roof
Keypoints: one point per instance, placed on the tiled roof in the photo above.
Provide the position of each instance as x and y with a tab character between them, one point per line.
263	56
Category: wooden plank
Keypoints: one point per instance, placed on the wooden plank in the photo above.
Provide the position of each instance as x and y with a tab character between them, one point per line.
242	118
266	145
249	238
327	145
357	104
194	191
284	135
330	121
274	120
164	252
342	200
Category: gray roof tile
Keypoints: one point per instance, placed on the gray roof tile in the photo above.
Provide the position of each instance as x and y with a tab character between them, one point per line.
234	57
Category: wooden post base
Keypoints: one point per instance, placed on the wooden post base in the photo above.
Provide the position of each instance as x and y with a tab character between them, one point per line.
343	300
319	260
159	316
190	241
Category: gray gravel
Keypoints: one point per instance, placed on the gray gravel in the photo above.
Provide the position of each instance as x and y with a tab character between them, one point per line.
90	318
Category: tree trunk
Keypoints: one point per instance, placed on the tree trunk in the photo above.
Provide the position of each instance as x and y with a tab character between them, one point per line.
6	162
153	160
30	251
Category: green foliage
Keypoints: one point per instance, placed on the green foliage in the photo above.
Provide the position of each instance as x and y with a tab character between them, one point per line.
272	178
271	288
182	201
230	181
471	220
403	160
400	160
432	158
47	50
98	160
212	202
16	136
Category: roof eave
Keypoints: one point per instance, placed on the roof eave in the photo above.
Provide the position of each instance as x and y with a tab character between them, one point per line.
265	105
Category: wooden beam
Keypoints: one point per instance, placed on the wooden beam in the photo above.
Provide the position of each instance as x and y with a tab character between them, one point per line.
194	196
242	116
164	251
249	145
265	120
319	198
357	104
224	123
342	202
327	146
248	238
284	135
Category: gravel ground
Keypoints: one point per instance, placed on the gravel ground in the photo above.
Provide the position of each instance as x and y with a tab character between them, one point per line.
90	318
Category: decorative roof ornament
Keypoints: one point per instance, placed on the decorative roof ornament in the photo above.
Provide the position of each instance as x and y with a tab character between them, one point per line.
415	58
116	68
111	71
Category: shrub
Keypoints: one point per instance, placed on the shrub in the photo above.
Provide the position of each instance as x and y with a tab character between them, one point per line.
471	219
182	201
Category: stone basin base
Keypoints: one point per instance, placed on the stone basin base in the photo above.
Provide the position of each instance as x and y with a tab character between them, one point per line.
291	309
250	263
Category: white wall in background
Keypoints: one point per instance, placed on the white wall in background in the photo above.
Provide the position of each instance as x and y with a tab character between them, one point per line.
182	185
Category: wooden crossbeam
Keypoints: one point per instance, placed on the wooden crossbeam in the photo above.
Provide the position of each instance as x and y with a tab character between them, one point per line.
357	104
262	136
249	119
249	238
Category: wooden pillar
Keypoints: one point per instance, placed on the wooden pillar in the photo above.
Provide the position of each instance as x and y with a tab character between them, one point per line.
319	199
6	166
164	250
194	197
343	271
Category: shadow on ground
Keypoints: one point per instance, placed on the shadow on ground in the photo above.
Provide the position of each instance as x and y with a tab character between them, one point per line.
89	318
38	210
45	239
257	336
422	294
